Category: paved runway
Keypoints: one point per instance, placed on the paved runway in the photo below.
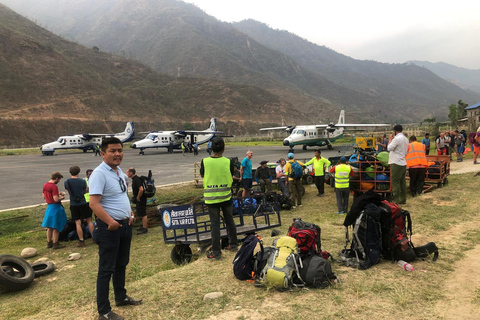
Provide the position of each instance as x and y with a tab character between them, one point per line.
23	176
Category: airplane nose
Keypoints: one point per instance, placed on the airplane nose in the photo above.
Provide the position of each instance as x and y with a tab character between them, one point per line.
286	142
134	146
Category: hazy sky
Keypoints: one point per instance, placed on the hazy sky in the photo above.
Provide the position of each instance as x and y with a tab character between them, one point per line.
386	31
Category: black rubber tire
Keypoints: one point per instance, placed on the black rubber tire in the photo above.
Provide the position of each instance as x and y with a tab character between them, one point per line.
181	254
23	279
8	270
309	180
42	268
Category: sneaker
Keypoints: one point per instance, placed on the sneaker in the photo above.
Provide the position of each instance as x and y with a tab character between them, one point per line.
210	255
320	195
142	231
300	205
128	301
49	244
110	316
80	244
340	212
293	207
57	245
231	248
476	162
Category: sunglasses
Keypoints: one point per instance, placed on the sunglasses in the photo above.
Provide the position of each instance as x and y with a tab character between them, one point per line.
123	187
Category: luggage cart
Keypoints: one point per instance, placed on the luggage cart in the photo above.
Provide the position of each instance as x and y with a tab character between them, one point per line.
190	224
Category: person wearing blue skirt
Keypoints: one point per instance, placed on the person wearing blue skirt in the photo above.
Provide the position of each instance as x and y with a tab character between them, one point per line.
55	218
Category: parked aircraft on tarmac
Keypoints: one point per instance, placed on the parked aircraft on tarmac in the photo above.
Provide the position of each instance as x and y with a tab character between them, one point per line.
161	139
86	141
320	134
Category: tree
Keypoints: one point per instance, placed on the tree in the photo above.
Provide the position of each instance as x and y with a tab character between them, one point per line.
457	112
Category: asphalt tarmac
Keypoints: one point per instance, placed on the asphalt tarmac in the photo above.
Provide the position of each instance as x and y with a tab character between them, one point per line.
23	176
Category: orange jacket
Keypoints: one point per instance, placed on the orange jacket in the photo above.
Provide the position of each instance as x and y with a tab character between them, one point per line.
416	155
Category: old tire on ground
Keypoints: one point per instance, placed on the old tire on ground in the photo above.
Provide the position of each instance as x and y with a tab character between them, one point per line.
42	268
23	277
181	254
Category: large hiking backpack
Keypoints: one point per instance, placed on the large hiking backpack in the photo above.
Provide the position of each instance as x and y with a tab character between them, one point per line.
149	188
243	263
366	246
285	202
282	264
297	171
307	236
317	272
396	228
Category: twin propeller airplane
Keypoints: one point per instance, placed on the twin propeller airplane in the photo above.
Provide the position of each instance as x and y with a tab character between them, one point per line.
304	135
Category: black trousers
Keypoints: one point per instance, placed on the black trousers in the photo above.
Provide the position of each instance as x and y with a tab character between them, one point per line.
320	184
417	180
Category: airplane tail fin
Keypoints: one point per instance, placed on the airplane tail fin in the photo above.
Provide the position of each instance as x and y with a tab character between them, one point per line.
341	118
213	125
128	134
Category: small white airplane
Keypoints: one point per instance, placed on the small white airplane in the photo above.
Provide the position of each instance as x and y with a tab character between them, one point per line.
319	135
86	141
161	139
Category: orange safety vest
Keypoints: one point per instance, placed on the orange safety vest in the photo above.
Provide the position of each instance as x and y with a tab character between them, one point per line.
416	155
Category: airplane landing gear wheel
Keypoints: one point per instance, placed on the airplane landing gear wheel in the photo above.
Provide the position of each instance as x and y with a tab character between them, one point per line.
181	254
330	147
85	150
141	153
304	147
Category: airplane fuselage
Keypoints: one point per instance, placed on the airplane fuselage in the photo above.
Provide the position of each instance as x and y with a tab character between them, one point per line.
311	136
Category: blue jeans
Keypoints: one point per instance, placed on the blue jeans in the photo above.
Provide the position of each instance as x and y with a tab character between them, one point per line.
114	254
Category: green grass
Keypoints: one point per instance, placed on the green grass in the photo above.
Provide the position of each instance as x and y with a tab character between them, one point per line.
172	292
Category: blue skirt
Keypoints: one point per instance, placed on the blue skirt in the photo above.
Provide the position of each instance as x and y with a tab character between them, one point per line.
55	217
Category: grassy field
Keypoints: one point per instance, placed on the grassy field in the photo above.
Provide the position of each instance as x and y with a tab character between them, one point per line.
446	216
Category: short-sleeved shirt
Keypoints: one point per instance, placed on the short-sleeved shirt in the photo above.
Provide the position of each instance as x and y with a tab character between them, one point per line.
426	142
76	189
381	148
398	149
247	168
50	190
137	182
105	182
441	143
280	169
458	139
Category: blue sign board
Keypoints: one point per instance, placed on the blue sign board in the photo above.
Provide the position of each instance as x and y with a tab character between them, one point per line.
179	217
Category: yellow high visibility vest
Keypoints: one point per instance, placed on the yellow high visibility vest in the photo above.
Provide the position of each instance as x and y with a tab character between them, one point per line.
87	195
342	176
217	180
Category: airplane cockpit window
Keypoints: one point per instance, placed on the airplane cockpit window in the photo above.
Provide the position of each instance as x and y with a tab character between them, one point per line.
151	137
61	141
301	131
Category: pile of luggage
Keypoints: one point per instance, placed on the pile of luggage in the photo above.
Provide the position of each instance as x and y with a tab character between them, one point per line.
381	229
295	260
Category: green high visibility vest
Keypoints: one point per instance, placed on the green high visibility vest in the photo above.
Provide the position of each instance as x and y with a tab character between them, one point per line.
87	195
217	180
342	173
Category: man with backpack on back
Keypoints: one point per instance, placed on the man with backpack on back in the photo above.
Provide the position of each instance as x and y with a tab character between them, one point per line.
139	199
319	166
294	171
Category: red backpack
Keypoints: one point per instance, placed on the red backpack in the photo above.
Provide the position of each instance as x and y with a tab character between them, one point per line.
308	238
396	232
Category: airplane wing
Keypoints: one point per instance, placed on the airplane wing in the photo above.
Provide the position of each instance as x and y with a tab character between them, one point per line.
362	125
320	126
183	132
274	128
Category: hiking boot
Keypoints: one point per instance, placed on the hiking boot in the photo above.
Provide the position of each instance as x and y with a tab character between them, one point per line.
142	231
49	244
57	245
80	244
210	255
110	316
233	249
128	301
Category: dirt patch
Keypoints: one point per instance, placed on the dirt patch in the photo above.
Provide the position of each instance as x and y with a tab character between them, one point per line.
443	203
236	314
463	167
461	289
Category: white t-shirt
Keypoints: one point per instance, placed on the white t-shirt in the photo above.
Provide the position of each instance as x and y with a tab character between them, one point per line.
280	169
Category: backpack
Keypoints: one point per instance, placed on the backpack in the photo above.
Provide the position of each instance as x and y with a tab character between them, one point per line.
285	202
307	236
396	224
243	263
317	272
149	188
297	171
282	264
366	247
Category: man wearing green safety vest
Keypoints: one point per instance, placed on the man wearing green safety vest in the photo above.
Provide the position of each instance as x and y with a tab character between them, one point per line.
319	166
88	173
217	172
342	184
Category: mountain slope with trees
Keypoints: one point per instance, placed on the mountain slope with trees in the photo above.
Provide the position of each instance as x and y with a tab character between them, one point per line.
50	86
